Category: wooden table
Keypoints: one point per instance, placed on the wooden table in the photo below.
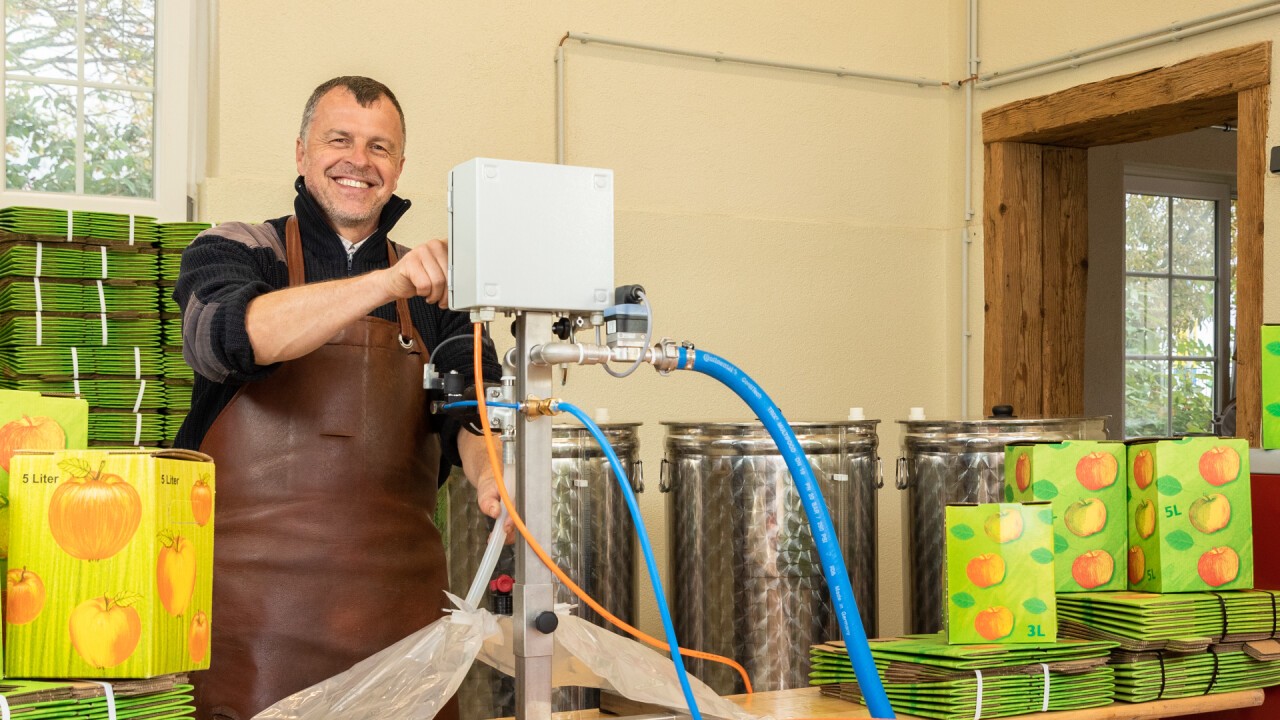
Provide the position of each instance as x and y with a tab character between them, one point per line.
805	703
808	703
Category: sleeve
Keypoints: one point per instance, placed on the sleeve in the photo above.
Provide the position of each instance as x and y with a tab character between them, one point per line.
457	355
218	280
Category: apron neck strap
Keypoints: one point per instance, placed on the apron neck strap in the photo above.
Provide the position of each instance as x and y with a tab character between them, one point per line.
408	333
293	253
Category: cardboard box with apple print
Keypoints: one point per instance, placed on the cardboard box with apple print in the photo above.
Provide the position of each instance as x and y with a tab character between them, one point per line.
1271	387
31	420
1190	524
1085	482
111	561
1000	586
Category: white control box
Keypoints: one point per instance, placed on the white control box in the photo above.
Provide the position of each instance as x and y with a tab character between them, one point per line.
530	236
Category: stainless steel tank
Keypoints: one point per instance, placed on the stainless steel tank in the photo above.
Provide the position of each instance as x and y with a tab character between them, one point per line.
746	581
958	461
591	541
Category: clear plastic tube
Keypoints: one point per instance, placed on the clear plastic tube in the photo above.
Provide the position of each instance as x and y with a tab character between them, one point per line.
489	561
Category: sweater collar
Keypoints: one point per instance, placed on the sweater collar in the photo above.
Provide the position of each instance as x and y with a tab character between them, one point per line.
311	217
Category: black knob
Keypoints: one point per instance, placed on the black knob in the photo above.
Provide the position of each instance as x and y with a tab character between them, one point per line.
547	622
1002	411
562	328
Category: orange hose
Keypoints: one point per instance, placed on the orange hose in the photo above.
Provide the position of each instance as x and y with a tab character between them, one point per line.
545	558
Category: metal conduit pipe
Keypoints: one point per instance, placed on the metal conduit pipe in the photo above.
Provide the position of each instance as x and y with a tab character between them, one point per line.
965	334
745	60
560	103
1125	46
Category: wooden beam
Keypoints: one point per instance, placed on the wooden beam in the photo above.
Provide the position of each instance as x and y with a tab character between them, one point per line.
1251	173
1181	97
1064	218
1012	372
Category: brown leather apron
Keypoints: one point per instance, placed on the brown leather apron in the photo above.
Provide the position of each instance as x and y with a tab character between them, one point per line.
324	548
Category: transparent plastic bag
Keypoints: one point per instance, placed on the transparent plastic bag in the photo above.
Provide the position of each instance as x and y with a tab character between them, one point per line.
590	656
412	679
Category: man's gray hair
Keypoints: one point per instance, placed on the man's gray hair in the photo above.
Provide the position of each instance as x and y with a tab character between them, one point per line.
367	92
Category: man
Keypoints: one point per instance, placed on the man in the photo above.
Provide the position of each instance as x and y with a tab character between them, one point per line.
308	335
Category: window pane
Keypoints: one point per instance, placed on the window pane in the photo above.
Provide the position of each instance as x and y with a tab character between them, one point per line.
1146	232
1193	321
120	42
40	129
118	142
1146	316
40	38
1146	398
1193	236
1192	397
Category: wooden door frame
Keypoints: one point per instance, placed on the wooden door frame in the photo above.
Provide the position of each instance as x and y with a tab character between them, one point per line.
1035	219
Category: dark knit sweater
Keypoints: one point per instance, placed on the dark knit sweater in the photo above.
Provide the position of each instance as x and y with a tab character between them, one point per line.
227	266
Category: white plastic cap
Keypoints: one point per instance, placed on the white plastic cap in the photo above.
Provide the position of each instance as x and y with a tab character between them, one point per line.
855	413
917	413
601	415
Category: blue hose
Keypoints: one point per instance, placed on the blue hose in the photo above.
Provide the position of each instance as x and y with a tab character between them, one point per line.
621	476
643	535
473	403
824	536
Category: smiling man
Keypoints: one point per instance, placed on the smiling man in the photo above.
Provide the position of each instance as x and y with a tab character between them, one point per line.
308	334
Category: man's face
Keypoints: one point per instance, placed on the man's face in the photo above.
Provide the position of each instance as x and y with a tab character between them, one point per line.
351	158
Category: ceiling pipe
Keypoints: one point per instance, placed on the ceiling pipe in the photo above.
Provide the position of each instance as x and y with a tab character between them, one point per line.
760	62
1132	43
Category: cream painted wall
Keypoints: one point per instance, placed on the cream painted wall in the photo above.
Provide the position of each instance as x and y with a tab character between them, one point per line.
806	227
794	223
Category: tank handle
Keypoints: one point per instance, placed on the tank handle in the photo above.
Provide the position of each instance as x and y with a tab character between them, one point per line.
637	476
902	481
664	483
879	472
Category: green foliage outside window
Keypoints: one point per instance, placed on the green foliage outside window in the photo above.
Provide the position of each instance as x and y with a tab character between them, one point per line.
80	68
1170	315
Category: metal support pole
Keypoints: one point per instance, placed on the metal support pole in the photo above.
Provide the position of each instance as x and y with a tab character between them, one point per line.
533	593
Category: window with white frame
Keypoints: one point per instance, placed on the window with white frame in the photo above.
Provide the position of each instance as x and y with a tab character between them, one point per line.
95	105
1179	305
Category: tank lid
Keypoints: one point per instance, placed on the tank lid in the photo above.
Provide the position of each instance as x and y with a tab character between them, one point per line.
757	424
997	422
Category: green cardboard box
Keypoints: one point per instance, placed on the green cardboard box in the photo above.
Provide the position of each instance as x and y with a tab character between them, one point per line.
115	548
1085	481
1000	583
29	420
1271	387
1190	519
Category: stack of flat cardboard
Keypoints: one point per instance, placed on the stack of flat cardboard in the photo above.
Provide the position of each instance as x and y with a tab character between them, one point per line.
925	676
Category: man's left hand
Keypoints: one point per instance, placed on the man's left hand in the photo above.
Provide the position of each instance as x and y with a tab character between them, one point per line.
476	466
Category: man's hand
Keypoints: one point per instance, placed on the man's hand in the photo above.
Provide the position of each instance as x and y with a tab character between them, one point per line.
475	464
283	325
423	271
